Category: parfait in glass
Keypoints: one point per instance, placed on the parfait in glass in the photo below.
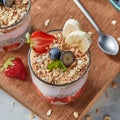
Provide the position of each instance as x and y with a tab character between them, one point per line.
59	62
14	24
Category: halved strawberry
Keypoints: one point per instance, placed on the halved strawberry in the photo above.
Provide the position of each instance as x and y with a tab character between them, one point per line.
40	41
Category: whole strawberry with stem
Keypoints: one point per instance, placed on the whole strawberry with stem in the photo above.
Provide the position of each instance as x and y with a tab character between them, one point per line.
40	41
14	68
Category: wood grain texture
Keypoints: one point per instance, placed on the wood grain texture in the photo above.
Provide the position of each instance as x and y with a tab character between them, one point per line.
103	67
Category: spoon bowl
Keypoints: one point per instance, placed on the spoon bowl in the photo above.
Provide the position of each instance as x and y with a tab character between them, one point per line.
106	43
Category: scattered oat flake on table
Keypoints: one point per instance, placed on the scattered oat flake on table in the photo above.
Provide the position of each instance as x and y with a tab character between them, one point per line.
12	103
47	22
89	33
88	117
107	95
118	39
107	117
97	111
114	22
32	116
49	112
38	7
114	84
71	16
76	114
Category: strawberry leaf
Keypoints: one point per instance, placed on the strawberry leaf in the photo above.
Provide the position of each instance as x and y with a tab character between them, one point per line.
56	64
28	40
7	63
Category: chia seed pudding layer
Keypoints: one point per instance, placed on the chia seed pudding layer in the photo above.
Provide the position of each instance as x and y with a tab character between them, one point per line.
57	76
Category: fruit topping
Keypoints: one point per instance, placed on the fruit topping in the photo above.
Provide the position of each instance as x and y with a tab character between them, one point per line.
67	57
71	25
80	39
14	68
40	41
55	53
9	3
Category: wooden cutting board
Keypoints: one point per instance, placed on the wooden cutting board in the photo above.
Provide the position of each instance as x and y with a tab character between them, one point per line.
103	67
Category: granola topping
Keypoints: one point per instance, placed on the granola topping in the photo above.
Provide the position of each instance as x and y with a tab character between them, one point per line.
57	76
11	15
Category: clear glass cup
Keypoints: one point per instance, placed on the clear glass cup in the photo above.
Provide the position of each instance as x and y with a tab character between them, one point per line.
59	94
13	37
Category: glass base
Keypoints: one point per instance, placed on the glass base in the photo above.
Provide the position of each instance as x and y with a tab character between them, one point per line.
14	43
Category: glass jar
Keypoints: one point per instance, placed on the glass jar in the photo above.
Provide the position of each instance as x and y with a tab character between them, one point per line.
62	93
13	37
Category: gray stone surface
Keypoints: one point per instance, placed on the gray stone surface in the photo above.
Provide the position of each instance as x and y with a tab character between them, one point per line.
108	103
10	109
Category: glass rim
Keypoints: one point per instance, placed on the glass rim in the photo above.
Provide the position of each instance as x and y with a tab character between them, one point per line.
28	10
59	85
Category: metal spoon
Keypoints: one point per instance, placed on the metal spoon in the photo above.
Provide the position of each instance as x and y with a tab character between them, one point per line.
106	43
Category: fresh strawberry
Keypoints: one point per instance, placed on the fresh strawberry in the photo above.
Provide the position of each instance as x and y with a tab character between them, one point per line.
11	47
40	41
14	68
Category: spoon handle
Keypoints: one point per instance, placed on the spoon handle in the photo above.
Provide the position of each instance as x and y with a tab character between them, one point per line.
79	4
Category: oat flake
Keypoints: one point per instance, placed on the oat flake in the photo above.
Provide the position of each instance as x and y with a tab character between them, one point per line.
97	111
47	22
76	114
107	117
114	84
38	7
118	39
49	112
88	117
25	2
114	22
32	116
12	103
89	33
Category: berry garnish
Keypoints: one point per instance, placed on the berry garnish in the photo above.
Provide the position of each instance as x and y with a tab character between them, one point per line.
40	41
9	3
56	64
11	47
14	68
55	53
67	57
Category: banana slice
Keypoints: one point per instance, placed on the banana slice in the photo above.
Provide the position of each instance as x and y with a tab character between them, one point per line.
71	25
80	39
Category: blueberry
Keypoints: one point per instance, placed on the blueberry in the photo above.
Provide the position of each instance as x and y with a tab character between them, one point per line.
55	53
67	57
